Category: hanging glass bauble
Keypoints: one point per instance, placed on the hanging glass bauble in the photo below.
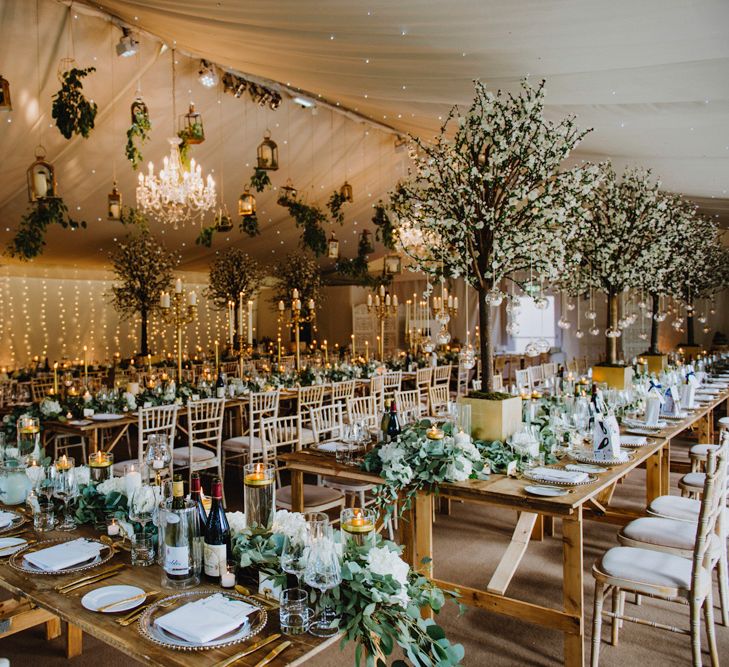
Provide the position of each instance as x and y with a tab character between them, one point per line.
661	316
612	332
532	288
632	318
494	297
541	302
570	305
642	305
706	329
564	323
647	314
643	335
513	304
579	334
689	308
467	357
428	346
594	331
444	336
591	315
622	323
677	324
544	345
512	328
531	349
702	318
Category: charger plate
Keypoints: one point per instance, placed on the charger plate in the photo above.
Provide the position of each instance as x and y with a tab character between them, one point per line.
590	458
149	630
17	520
536	478
17	560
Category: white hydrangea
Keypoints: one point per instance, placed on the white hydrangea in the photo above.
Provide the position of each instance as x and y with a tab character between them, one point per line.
82	474
383	561
290	524
50	408
130	400
112	484
236	521
459	470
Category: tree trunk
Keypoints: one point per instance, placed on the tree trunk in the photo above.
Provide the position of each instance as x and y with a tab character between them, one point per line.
653	349
145	346
487	347
611	344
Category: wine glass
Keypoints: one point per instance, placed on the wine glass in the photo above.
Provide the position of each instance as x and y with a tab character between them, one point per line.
323	572
142	505
64	488
295	551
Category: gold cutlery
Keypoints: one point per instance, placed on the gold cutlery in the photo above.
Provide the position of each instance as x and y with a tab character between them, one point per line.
248	651
113	568
140	596
269	602
242	590
134	615
96	580
280	648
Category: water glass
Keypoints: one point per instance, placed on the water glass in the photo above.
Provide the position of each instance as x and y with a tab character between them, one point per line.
294	611
44	516
143	550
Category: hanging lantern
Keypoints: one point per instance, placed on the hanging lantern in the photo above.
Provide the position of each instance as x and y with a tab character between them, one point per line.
333	247
140	112
246	204
5	104
223	223
268	153
114	204
192	126
366	244
288	192
41	177
346	192
393	264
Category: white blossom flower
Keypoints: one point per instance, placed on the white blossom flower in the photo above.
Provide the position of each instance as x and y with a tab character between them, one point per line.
112	484
236	521
290	524
82	475
50	407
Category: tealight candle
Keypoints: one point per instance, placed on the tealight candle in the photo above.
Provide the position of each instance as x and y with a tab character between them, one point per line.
259	493
227	575
112	527
358	524
100	466
434	433
64	463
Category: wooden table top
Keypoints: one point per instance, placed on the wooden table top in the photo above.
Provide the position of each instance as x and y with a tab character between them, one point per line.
40	589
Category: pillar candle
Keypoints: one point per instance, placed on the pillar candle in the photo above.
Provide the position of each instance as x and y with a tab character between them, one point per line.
367	350
178	285
240	315
250	322
353	348
231	315
55	377
217	356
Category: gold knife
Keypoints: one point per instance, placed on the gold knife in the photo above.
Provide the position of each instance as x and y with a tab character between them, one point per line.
248	651
273	654
90	582
114	568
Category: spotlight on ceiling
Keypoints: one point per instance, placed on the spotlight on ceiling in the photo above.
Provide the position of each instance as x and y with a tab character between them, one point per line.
304	102
127	45
207	75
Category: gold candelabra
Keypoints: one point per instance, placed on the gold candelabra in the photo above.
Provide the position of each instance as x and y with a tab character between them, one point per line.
180	311
383	306
297	318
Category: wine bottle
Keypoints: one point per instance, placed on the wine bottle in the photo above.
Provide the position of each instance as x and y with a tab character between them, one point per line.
196	497
393	424
220	385
217	536
383	424
177	564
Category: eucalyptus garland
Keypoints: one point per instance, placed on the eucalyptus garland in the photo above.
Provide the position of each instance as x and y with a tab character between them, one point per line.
72	111
30	236
311	219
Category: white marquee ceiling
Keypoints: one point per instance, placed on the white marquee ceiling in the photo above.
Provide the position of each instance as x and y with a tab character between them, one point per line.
651	78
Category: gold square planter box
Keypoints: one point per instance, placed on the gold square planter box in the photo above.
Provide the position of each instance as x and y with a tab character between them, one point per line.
689	351
616	377
656	362
494	420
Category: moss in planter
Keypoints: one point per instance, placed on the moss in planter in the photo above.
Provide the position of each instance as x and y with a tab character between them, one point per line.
489	395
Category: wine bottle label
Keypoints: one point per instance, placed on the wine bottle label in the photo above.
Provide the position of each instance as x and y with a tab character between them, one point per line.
220	392
177	560
215	556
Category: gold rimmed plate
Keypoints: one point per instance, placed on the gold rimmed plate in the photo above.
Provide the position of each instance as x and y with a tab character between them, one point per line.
16	519
255	622
591	458
541	480
18	562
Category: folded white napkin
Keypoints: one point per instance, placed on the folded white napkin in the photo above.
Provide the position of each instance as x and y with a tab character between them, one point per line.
207	619
329	446
6	518
66	554
559	475
634	440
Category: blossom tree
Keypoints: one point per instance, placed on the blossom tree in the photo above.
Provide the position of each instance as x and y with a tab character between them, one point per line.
143	268
487	199
232	274
618	240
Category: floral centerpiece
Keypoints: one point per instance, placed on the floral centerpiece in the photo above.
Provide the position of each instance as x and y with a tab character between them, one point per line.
379	601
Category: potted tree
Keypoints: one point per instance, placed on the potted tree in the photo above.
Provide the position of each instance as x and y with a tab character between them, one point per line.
487	201
234	277
143	270
618	237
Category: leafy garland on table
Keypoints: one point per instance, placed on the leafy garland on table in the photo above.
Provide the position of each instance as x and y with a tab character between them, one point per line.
30	236
72	111
378	602
140	128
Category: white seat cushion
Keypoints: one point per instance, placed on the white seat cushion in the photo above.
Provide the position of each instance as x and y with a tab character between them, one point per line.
307	436
693	479
724	421
313	496
702	450
242	443
643	566
675	507
181	455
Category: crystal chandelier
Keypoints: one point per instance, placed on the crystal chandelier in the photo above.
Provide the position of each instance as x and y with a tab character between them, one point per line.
176	194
